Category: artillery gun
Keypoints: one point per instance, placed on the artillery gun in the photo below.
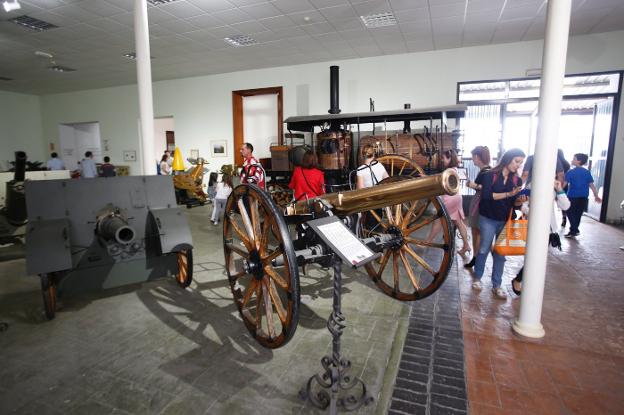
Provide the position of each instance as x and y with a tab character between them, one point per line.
262	260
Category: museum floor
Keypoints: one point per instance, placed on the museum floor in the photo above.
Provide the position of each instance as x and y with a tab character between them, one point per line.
158	349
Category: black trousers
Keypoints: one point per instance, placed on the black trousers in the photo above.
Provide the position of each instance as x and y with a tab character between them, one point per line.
578	205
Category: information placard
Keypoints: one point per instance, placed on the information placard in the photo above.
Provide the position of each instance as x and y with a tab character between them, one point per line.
342	241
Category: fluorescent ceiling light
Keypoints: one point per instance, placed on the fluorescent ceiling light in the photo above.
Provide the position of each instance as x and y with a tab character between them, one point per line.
32	23
240	40
159	2
379	20
11	5
58	68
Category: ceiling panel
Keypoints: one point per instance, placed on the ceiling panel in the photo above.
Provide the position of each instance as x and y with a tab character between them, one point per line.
187	35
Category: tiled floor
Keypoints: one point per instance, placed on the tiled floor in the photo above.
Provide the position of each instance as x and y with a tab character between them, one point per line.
578	367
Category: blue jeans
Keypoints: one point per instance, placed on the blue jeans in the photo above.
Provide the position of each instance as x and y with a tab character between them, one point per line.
490	229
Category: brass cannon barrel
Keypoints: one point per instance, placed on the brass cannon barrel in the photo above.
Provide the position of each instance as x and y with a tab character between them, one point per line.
393	191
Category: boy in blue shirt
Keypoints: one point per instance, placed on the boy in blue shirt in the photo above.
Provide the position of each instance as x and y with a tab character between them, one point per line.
579	181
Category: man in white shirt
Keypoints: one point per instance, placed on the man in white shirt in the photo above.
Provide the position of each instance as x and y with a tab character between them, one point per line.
87	164
55	163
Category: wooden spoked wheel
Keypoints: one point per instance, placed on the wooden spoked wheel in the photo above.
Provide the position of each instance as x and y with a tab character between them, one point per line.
261	266
420	257
48	290
184	277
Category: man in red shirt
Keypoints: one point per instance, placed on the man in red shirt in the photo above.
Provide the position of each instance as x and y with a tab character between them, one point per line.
252	171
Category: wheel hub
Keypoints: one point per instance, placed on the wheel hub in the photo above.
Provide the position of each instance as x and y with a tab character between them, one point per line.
397	238
254	265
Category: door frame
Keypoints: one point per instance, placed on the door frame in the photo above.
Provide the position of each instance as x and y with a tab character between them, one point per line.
237	112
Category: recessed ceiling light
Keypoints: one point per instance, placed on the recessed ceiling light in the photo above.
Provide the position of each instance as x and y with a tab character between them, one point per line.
58	68
240	40
159	2
11	5
132	56
379	20
32	23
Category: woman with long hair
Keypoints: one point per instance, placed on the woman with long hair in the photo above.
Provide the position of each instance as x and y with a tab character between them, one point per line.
453	205
307	180
223	190
481	159
499	194
370	172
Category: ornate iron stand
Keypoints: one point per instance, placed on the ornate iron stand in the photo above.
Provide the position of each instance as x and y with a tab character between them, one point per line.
335	377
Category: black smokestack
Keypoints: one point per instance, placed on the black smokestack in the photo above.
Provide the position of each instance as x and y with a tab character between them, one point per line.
333	90
20	166
406	124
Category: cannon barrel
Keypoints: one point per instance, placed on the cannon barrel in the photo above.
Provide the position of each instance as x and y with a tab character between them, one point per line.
115	228
393	191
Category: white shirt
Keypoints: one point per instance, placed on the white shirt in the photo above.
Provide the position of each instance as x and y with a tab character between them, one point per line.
55	164
223	191
165	168
367	172
88	167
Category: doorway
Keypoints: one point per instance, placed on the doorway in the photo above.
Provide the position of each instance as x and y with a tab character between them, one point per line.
78	138
164	137
258	119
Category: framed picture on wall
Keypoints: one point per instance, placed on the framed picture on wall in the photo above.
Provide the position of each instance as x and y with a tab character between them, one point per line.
218	148
195	154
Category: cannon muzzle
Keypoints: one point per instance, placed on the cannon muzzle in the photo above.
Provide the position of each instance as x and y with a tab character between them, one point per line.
115	228
392	191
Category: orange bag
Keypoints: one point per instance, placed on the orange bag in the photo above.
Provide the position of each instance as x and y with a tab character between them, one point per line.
513	237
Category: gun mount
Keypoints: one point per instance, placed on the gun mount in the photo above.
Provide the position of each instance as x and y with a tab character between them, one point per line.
189	186
102	233
397	218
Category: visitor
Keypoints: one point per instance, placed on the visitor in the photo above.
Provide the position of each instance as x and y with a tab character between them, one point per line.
107	169
499	189
88	169
55	163
563	203
579	181
453	205
165	167
481	159
307	180
223	189
252	171
371	172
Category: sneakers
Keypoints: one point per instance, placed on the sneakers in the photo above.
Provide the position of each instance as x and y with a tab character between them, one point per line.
215	222
572	234
499	293
476	285
471	263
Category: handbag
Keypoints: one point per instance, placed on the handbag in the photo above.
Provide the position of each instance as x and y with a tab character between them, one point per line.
513	237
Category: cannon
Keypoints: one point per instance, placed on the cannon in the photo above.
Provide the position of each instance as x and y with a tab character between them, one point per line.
189	185
94	234
262	260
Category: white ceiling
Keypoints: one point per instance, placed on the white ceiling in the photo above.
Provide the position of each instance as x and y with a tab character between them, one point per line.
187	35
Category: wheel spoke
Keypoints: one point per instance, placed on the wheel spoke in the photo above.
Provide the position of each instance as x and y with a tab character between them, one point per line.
397	214
238	250
395	270
410	271
264	236
238	231
389	215
255	222
402	167
418	259
392	168
276	277
258	308
424	222
384	261
249	292
279	307
424	243
409	213
378	219
236	276
246	221
270	257
268	309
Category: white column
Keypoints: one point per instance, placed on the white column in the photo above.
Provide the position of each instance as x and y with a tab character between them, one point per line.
528	322
144	81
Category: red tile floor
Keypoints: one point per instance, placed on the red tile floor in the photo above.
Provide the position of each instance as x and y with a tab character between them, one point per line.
578	367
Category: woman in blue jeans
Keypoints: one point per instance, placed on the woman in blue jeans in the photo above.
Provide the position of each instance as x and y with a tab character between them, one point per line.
500	187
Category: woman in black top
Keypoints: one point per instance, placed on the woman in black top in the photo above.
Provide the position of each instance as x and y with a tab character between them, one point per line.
481	159
499	189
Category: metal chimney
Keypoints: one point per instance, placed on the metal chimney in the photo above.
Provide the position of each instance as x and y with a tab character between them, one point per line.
333	90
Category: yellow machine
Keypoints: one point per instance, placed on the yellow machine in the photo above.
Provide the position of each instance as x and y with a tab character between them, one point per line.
189	185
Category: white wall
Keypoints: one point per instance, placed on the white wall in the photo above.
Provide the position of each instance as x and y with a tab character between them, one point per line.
20	128
202	106
260	123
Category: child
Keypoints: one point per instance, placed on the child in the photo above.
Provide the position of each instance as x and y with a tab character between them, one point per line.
579	181
224	188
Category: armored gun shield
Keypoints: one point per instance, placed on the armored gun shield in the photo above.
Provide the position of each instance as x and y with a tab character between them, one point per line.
94	234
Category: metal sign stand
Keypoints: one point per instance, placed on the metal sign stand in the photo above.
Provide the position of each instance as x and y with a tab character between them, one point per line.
334	387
